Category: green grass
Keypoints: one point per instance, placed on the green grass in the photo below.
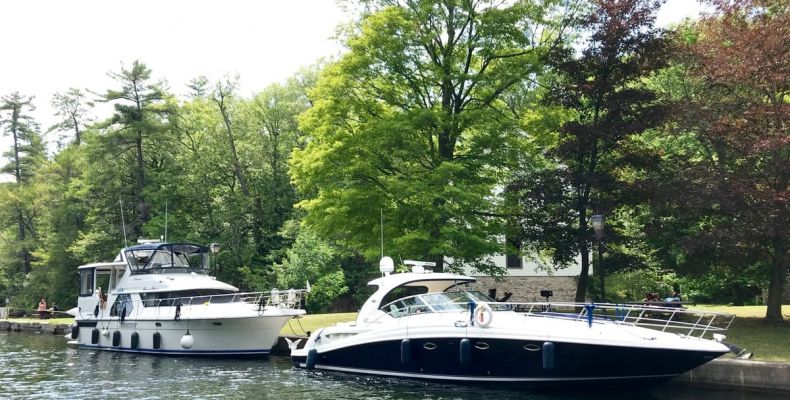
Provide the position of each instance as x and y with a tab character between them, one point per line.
312	322
767	342
50	321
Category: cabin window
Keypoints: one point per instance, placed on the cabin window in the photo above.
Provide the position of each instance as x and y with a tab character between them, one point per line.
403	291
86	282
188	297
103	281
122	304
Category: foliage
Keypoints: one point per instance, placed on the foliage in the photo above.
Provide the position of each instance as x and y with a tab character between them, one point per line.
311	259
592	155
628	286
411	123
72	107
724	199
20	204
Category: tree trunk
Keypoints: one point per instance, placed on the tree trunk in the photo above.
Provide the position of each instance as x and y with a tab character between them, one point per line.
233	154
76	122
778	274
141	204
24	254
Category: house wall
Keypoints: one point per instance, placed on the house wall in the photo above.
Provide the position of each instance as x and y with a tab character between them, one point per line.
527	288
526	283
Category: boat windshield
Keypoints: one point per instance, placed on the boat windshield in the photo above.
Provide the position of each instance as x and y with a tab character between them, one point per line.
454	301
167	258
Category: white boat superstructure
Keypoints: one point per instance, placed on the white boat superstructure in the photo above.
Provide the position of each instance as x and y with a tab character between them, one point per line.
157	298
430	326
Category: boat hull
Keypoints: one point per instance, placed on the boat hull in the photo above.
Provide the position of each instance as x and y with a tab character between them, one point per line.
253	336
506	360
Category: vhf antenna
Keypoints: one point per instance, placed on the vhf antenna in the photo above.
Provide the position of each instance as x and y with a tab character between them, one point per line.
123	223
381	210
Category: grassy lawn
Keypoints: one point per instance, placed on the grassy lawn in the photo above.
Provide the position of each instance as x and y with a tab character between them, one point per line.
312	322
51	321
768	343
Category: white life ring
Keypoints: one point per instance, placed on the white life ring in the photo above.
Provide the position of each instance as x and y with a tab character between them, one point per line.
483	315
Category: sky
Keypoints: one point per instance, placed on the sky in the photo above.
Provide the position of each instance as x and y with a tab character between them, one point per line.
52	45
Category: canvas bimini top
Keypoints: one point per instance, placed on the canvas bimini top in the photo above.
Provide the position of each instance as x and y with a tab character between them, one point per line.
160	258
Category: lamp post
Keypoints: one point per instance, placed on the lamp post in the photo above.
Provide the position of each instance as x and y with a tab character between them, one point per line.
215	248
597	224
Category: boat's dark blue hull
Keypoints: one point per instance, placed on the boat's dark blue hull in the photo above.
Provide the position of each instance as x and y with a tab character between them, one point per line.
501	360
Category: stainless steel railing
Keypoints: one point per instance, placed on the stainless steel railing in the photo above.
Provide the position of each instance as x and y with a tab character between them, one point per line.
689	322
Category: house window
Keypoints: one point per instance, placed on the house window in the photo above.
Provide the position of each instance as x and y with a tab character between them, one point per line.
513	259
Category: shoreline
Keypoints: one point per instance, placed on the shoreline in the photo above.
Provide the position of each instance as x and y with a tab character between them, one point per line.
719	373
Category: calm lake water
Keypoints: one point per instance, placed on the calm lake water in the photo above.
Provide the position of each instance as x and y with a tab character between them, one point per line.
42	366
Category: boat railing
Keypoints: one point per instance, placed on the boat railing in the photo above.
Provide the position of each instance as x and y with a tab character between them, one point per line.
291	298
689	322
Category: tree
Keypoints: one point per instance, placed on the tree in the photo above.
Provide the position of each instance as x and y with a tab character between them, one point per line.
72	108
138	120
313	260
737	184
607	107
198	87
411	123
26	155
277	108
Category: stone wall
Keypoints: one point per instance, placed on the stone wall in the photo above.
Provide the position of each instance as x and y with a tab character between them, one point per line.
527	288
55	329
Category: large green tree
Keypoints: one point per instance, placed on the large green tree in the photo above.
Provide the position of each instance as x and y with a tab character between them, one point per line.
136	128
411	123
24	157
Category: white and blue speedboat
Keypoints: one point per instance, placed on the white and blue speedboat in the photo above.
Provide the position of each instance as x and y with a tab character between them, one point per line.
431	326
157	298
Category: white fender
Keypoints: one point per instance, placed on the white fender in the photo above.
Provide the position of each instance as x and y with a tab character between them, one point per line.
187	341
483	315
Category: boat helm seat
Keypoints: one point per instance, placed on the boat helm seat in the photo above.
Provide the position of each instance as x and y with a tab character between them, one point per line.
394	310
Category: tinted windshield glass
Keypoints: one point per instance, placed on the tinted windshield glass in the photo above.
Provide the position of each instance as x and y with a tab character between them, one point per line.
434	302
168	259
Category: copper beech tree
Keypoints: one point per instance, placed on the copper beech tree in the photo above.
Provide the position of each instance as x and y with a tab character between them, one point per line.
740	56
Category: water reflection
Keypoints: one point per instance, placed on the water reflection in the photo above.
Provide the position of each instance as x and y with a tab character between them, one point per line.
43	366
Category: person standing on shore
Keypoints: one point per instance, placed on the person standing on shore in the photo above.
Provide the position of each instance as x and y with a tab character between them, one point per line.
42	308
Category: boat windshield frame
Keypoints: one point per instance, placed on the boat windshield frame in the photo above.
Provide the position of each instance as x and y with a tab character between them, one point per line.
165	258
435	302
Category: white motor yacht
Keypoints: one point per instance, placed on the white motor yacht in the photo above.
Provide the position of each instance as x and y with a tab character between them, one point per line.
157	298
432	326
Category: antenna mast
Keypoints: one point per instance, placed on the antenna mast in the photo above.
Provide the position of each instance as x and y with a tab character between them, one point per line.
165	222
381	210
123	224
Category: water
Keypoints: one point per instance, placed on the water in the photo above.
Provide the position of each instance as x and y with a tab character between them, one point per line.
42	366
